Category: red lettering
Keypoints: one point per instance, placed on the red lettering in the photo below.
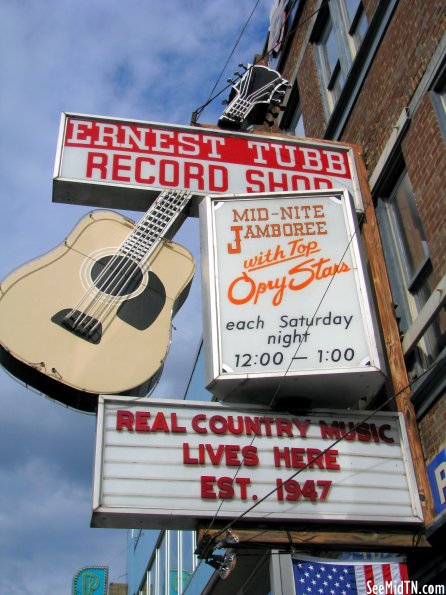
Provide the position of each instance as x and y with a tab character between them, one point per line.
231	452
315	458
256	184
331	461
141	421
118	168
139	162
213	184
218	424
97	161
196	427
193	171
243	482
284	427
207	487
169	176
124	419
382	435
226	488
215	457
250	457
187	459
176	429
160	424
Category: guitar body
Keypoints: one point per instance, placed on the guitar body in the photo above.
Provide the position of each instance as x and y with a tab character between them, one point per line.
126	351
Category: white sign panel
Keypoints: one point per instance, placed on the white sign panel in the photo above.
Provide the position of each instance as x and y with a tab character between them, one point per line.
173	463
123	163
286	298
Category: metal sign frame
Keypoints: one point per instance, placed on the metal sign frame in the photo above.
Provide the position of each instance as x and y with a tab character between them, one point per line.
246	356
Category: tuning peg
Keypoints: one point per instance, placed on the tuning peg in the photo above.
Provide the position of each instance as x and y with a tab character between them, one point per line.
245	66
230	80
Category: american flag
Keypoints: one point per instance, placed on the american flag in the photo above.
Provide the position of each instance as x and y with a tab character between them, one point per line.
331	577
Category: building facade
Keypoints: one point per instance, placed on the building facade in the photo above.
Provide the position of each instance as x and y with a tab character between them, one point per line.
372	73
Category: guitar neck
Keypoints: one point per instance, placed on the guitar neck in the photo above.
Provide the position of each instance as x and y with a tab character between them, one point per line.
155	224
239	108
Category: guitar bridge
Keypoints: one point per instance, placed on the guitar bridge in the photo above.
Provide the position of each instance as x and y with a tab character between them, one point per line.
78	323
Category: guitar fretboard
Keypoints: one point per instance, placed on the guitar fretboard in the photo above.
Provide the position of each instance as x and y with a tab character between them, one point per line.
239	108
154	225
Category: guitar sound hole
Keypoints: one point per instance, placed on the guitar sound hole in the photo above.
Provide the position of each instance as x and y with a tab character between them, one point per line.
116	275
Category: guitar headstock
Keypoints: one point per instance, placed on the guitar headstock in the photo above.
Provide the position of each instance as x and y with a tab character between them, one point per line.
252	97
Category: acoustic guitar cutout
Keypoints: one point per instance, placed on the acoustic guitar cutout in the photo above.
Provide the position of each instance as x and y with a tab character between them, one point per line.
93	315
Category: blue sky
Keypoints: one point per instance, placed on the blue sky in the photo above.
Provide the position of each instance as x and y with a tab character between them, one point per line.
151	60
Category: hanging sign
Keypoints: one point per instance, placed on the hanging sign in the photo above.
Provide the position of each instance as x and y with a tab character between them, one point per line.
125	163
91	580
287	303
169	464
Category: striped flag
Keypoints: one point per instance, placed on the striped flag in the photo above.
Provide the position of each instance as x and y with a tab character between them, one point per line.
333	577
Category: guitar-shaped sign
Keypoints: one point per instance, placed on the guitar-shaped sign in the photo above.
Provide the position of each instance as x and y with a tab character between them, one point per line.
252	97
93	316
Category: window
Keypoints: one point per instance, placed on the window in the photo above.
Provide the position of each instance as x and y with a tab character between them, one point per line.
438	95
356	21
337	35
410	271
329	60
292	120
172	564
188	559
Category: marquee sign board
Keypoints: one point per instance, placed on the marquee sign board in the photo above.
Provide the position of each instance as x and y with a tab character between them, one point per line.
171	464
125	163
286	300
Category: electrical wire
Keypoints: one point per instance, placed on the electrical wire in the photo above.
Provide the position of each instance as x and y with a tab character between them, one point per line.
353	429
196	114
233	50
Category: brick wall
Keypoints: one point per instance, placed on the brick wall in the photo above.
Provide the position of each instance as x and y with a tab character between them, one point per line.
411	38
432	429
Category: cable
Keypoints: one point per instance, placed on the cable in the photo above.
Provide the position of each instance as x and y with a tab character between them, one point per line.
196	114
233	50
353	429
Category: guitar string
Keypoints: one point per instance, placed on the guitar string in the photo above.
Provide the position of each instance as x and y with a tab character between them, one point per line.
240	104
104	307
119	279
92	288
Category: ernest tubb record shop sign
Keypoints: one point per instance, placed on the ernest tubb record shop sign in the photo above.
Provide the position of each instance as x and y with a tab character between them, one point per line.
134	160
